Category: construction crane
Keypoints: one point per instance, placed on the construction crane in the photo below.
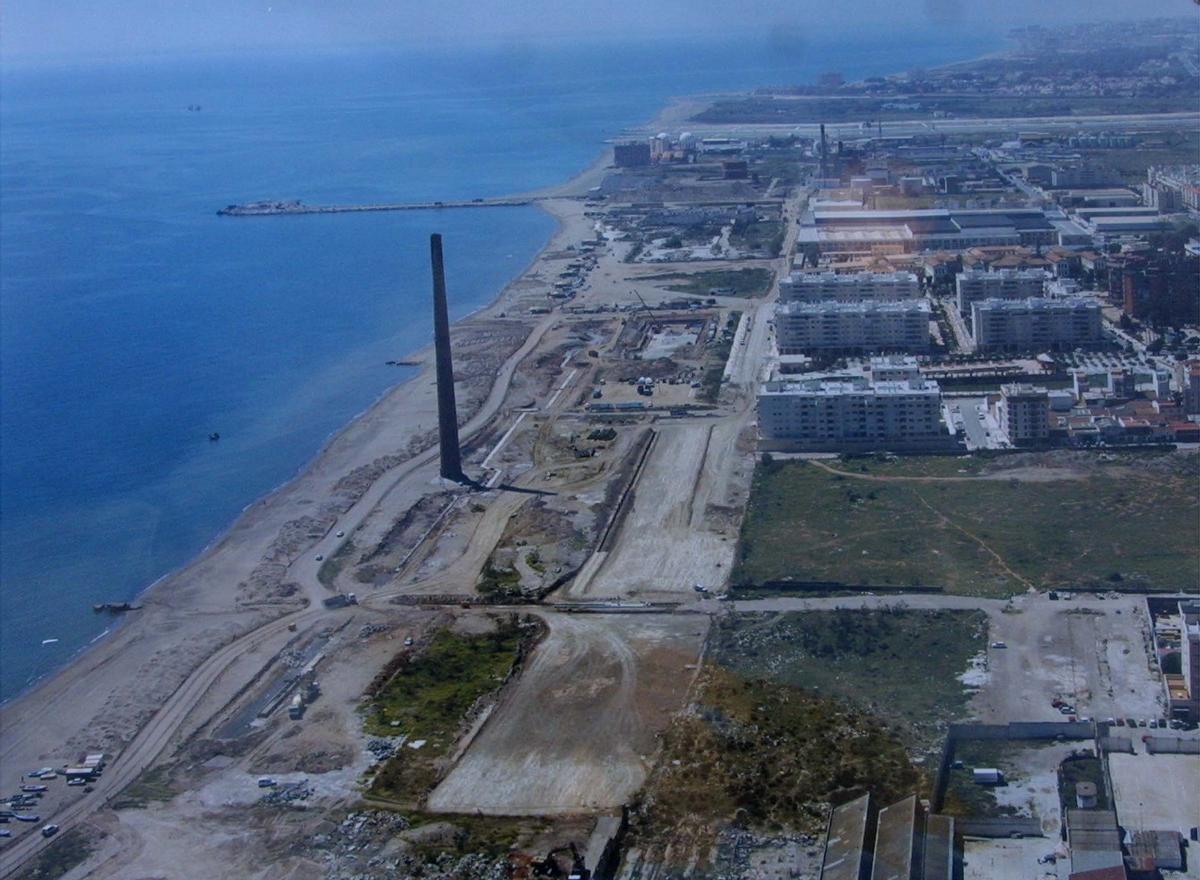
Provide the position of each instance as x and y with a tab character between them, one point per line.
645	308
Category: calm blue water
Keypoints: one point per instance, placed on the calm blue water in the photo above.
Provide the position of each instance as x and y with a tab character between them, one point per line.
135	321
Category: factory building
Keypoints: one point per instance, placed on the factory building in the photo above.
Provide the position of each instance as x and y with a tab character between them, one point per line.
900	842
872	232
852	412
1024	414
1036	324
811	287
846	854
976	285
852	326
1094	841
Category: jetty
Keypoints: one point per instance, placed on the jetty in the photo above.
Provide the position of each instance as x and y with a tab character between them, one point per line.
275	209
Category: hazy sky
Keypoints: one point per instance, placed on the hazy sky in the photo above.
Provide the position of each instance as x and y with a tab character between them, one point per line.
55	29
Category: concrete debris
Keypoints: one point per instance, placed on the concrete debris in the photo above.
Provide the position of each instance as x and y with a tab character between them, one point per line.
364	847
370	629
744	855
384	747
288	793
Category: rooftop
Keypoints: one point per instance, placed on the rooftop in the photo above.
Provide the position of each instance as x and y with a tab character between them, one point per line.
894	840
870	307
845	844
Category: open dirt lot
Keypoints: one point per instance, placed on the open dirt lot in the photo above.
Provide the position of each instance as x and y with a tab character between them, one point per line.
1157	792
578	730
1006	859
1091	653
676	532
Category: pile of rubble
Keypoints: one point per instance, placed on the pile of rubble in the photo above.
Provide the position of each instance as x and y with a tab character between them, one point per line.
288	793
291	658
384	747
369	629
364	846
744	855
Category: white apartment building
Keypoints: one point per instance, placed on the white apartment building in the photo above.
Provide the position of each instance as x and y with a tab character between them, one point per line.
814	287
1036	324
848	326
892	368
851	412
976	285
1024	414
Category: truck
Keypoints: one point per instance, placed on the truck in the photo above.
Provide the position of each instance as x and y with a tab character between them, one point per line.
296	708
341	600
987	776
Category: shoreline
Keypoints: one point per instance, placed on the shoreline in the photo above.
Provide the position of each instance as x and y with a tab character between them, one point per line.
673	113
574	186
193	588
422	355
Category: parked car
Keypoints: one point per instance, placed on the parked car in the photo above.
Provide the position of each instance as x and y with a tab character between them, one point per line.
49	830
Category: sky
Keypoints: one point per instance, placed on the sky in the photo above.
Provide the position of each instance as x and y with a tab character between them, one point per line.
52	30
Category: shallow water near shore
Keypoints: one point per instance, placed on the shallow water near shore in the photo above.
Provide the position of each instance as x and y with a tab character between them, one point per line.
135	321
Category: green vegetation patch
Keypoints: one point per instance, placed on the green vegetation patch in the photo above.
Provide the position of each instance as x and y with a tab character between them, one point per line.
716	356
964	797
70	849
1082	768
903	667
499	582
152	786
761	235
332	567
724	282
429	696
766	754
990	526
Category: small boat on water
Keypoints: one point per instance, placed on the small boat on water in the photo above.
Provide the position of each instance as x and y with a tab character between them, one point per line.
49	641
214	437
114	607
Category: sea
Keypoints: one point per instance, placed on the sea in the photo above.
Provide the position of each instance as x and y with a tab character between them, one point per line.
134	321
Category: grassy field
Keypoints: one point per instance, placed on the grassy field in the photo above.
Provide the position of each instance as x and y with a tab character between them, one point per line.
1082	769
766	754
715	357
902	667
733	282
154	785
766	236
429	696
70	850
963	796
990	526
